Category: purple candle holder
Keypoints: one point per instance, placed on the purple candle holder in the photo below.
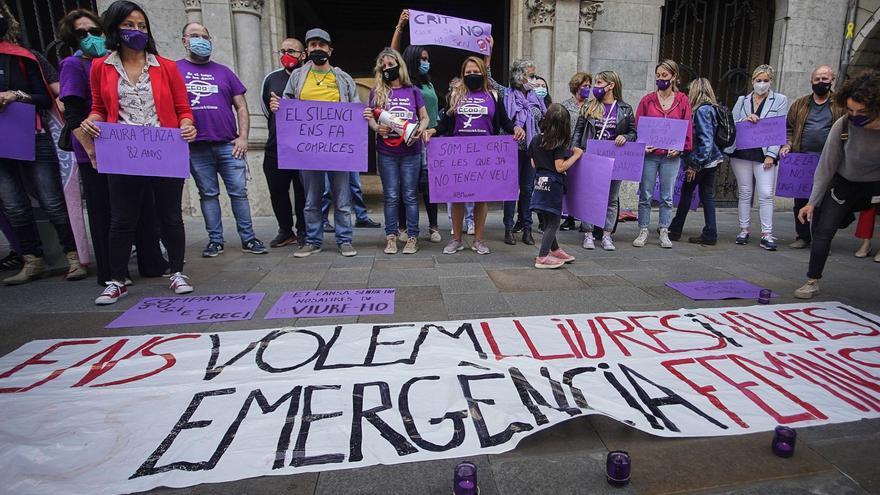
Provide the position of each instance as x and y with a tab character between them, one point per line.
618	468
784	439
764	296
464	481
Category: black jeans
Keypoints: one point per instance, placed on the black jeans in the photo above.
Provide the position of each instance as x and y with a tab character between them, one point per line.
42	178
97	195
127	194
802	229
279	181
705	178
837	206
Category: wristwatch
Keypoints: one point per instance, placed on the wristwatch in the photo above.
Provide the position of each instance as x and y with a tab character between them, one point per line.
21	96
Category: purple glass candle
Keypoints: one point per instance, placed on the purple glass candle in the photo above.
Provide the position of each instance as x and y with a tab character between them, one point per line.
764	296
618	468
464	481
783	441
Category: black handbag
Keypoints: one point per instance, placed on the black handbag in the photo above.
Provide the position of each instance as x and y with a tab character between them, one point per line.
64	139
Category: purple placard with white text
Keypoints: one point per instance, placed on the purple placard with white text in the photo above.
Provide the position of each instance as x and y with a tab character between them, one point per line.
767	132
479	168
628	159
587	186
426	28
331	303
155	311
321	135
716	290
18	129
676	192
664	134
796	171
141	150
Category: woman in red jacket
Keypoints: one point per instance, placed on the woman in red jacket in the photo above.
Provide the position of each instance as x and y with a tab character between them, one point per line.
668	103
134	86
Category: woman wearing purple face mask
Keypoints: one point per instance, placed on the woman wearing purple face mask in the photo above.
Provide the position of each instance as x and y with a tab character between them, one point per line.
136	87
579	86
848	175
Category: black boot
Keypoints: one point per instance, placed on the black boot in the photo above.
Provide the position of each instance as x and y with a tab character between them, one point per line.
508	238
527	238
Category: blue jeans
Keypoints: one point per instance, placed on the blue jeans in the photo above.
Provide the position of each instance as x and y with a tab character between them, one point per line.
357	197
400	178
207	161
526	187
705	179
667	168
313	183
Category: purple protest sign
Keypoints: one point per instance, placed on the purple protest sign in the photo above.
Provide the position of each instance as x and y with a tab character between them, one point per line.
18	128
767	132
796	171
325	303
587	186
136	150
716	290
676	193
155	311
664	134
426	28
479	168
628	159
322	135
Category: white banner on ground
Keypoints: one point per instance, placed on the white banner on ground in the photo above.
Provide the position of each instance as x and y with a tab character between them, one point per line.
121	414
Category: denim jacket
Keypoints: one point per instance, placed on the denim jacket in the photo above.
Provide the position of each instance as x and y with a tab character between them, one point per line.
776	105
705	150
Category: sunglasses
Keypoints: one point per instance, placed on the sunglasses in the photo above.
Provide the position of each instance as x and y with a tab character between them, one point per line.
95	31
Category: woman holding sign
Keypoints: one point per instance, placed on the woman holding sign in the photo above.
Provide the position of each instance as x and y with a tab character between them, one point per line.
757	163
605	117
134	86
400	155
474	110
667	103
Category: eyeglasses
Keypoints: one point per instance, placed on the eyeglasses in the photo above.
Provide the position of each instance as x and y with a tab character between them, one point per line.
196	35
95	31
289	51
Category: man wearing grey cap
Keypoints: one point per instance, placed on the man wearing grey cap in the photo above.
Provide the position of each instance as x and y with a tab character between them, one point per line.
318	80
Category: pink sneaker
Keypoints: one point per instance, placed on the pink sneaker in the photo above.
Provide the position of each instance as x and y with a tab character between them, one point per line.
562	256
548	262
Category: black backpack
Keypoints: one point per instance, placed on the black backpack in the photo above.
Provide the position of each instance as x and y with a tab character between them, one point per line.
725	130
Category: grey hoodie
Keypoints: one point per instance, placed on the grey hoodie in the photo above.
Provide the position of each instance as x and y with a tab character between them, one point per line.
347	87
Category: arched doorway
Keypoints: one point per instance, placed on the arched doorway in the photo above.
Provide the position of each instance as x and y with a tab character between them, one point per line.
39	23
866	46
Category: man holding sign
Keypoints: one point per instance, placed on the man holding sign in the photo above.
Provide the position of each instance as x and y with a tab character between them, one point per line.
317	80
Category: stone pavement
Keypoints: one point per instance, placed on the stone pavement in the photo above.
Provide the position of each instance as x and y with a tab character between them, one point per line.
569	458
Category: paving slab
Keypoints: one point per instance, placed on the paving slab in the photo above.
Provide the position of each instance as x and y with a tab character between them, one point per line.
557	302
297	484
857	458
825	484
467	285
530	279
576	474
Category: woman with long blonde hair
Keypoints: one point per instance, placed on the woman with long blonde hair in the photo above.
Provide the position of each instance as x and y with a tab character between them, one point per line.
399	162
605	116
474	110
701	163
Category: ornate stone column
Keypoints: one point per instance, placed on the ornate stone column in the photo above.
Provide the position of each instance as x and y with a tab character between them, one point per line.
246	16
542	16
193	9
589	11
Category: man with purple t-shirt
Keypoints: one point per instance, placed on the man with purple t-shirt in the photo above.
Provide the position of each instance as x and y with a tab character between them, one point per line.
219	149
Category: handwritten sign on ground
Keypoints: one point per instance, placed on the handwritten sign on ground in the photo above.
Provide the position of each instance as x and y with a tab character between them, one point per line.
329	303
140	150
110	415
795	177
767	132
666	134
18	123
426	28
466	169
716	290
321	135
628	159
676	192
154	311
588	184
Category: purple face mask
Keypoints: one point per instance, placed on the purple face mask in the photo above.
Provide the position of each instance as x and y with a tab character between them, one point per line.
859	120
598	92
663	84
134	38
585	92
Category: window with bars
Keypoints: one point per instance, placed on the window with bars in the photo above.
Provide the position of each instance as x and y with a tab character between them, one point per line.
39	23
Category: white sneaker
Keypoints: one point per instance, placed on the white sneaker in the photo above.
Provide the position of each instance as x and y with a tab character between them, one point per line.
664	239
641	239
589	242
180	284
607	243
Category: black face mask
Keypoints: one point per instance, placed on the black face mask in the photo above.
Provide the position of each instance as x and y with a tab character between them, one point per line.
391	73
821	88
4	26
473	81
319	57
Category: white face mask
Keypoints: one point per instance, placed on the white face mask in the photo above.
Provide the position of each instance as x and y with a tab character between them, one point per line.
761	88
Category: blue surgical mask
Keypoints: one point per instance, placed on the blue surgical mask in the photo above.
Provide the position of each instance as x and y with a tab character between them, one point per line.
540	92
424	67
93	46
200	47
